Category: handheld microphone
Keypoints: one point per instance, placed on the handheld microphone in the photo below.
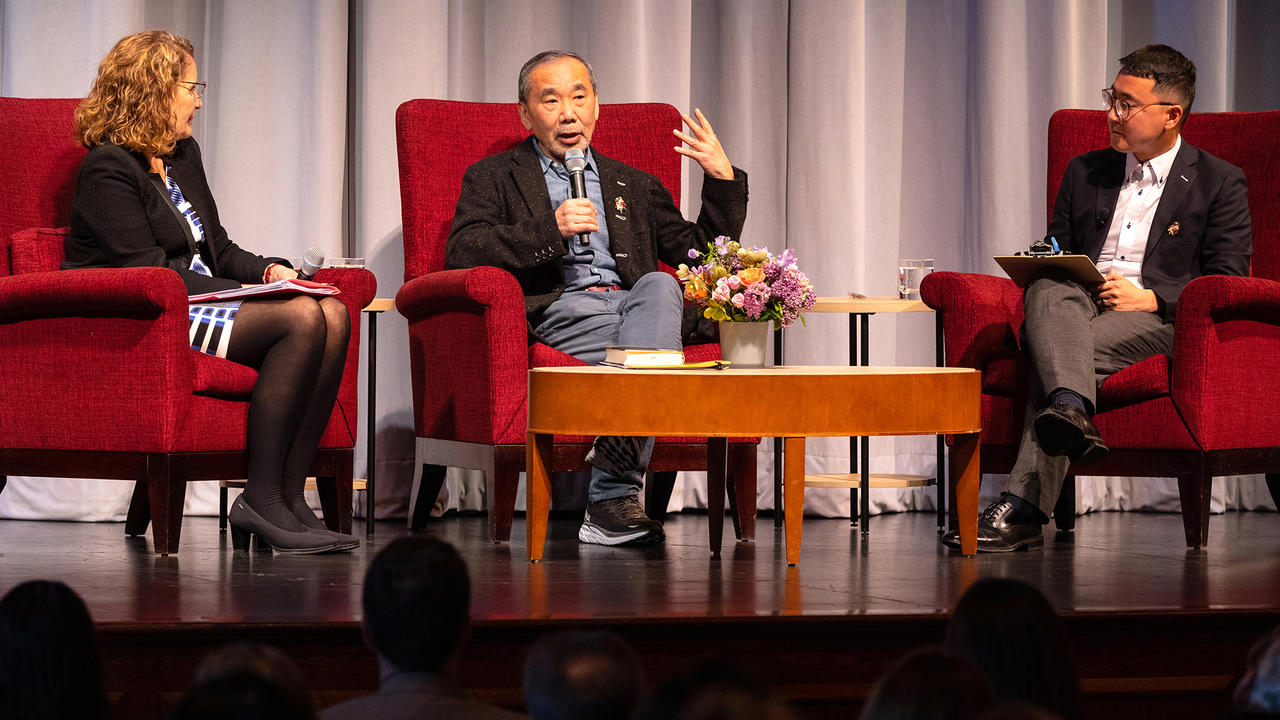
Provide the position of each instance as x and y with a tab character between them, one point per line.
311	262
576	163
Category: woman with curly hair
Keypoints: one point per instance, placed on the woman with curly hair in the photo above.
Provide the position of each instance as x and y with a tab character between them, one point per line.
142	200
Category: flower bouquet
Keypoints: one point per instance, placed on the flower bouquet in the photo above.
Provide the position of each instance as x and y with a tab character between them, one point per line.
737	284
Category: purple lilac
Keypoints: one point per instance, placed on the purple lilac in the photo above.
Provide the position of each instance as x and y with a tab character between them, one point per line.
755	297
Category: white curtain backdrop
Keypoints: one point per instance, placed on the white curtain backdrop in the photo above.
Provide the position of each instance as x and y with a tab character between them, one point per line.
871	129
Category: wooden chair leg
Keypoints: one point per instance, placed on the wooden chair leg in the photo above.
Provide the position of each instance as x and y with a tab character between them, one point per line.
166	488
1273	484
1194	490
335	500
657	494
500	487
429	481
135	523
742	489
1064	511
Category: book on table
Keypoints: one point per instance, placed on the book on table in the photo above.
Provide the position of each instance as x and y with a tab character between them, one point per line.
641	358
279	287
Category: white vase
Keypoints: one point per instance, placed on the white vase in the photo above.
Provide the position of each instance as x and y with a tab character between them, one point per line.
743	343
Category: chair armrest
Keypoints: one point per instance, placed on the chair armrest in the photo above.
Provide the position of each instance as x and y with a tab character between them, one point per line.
94	359
108	292
1225	372
468	348
981	315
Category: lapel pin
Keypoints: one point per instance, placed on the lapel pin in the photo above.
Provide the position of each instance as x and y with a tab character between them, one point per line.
1174	228
619	204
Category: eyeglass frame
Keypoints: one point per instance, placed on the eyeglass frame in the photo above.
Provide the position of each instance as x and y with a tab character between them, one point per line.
1109	99
198	92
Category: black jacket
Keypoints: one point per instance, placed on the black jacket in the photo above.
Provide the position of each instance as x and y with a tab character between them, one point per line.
504	218
1204	195
121	216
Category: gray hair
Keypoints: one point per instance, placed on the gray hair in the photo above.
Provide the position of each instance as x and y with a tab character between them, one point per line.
545	57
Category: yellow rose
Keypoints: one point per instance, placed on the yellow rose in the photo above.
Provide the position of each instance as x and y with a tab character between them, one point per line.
695	289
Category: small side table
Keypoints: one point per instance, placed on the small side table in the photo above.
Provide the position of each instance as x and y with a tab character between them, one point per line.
859	311
371	311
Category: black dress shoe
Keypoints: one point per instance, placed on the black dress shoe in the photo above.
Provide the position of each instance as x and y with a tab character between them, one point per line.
1064	430
1003	528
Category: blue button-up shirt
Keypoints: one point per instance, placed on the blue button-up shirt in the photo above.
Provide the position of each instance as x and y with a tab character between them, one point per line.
584	265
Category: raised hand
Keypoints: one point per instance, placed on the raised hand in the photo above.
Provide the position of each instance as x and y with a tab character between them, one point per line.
704	147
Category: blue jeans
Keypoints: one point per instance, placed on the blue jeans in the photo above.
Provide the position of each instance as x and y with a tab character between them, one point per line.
583	322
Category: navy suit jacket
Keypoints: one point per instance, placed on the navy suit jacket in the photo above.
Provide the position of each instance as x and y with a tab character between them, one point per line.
1201	225
504	218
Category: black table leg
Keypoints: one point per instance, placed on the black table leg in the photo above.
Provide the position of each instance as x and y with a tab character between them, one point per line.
778	509
853	441
940	476
371	419
866	441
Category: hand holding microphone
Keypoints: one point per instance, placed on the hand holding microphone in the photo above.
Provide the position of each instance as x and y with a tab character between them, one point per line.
577	215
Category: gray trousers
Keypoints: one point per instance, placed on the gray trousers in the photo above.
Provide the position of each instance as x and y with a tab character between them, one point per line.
582	323
1062	323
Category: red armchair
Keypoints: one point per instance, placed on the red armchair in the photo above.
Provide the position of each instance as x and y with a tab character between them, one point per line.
468	344
1213	407
100	381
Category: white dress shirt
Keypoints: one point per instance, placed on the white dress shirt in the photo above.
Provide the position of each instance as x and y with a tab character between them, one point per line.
1140	194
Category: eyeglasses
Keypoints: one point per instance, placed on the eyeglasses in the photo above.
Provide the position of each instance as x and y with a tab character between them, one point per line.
195	87
1123	108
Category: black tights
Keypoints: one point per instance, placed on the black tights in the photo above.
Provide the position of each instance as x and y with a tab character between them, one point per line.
299	347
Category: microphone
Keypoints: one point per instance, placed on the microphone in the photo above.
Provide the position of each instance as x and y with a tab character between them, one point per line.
1102	218
576	163
311	263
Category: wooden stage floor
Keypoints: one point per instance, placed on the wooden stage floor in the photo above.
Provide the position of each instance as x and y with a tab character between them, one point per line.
1153	626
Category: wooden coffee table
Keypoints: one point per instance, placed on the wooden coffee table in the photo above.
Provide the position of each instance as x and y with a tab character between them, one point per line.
791	402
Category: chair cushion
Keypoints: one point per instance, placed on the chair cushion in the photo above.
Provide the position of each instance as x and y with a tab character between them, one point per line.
217	377
38	250
1137	383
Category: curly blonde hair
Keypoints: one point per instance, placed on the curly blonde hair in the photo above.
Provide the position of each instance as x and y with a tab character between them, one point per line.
131	102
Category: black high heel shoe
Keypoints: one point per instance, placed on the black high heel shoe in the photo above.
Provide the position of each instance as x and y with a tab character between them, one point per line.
302	511
246	523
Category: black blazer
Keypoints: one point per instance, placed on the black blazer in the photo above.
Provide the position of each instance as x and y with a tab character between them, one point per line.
1204	196
121	216
504	218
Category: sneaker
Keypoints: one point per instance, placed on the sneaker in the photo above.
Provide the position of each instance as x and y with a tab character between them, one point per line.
619	521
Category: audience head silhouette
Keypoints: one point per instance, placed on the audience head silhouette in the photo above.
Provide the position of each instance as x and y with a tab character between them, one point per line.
417	599
714	691
267	663
1010	631
930	684
239	696
48	658
1259	689
581	676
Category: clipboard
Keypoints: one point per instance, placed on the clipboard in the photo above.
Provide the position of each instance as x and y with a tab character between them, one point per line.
1021	269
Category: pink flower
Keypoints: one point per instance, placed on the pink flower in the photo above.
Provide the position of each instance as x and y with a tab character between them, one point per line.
734	282
738	300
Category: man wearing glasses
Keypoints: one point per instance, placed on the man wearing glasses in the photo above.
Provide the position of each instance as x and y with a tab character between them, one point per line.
1152	212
